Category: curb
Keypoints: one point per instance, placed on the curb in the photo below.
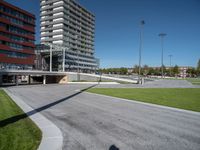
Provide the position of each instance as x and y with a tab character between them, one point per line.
149	104
52	138
104	83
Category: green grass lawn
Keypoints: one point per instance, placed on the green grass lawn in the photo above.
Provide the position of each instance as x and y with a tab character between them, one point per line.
188	99
21	134
195	81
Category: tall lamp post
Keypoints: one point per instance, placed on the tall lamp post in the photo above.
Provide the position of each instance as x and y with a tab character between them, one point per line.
170	64
78	68
63	62
162	35
140	49
50	68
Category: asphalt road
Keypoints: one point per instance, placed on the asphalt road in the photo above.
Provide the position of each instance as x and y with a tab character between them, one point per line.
92	122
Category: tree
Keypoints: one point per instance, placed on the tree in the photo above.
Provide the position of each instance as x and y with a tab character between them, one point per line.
164	70
192	72
157	71
151	71
136	69
175	70
198	65
167	72
198	73
123	70
145	70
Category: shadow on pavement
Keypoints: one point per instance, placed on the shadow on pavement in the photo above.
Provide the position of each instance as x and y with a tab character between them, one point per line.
25	115
113	147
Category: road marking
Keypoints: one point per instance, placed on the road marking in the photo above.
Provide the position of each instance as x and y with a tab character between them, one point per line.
77	90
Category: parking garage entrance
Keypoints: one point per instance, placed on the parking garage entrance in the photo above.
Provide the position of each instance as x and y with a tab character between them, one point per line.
31	77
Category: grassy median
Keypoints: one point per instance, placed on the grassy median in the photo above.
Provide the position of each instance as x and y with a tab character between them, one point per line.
195	81
188	99
17	131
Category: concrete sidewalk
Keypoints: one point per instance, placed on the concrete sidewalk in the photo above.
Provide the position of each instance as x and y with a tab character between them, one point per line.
155	84
52	138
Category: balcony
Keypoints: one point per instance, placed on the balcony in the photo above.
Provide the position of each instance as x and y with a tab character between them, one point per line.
51	17
50	7
48	2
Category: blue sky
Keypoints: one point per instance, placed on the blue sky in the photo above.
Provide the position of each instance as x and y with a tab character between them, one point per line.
117	30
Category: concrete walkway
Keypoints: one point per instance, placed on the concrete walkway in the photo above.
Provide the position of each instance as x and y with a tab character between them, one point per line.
93	122
155	84
52	138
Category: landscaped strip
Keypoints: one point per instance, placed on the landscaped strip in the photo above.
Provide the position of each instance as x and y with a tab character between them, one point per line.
186	98
17	131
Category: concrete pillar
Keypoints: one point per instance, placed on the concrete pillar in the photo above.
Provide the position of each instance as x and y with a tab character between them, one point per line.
44	79
50	65
1	80
142	81
63	63
29	79
16	80
78	76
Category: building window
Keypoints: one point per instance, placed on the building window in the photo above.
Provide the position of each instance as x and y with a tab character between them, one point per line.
17	14
15	54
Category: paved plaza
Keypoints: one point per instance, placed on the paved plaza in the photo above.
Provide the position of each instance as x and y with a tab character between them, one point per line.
94	122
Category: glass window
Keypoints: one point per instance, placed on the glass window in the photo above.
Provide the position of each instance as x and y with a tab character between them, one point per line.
14	54
16	14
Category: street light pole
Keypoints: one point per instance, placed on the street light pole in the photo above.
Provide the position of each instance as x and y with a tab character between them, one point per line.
162	35
50	69
63	60
170	63
140	49
78	69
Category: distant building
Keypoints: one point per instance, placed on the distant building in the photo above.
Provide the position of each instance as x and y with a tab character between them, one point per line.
67	23
17	36
130	70
183	71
